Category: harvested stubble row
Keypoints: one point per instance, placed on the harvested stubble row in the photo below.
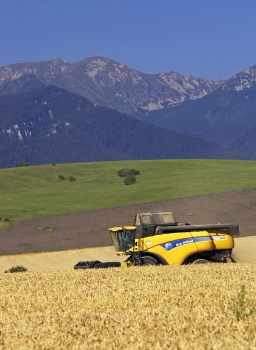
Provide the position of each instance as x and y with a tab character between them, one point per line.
166	307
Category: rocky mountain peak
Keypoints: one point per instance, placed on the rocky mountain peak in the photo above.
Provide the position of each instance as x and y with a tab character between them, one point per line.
39	69
243	80
109	83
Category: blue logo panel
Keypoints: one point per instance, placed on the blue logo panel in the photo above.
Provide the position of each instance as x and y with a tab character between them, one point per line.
180	242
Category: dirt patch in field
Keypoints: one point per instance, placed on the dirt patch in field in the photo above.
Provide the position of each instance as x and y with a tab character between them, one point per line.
89	229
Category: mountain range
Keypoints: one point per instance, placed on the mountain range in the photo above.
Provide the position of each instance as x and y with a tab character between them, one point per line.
107	83
219	113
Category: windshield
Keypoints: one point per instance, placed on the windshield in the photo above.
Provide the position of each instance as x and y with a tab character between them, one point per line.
123	240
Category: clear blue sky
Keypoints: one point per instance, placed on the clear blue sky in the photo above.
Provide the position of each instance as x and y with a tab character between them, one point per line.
206	38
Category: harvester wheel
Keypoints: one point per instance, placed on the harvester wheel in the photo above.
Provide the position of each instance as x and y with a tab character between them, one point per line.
149	260
200	261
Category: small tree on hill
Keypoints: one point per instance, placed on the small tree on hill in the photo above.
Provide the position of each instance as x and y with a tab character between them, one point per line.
4	219
124	172
23	164
129	179
71	178
18	268
134	172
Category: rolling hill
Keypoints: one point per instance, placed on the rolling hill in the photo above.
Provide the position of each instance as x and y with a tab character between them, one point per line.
36	191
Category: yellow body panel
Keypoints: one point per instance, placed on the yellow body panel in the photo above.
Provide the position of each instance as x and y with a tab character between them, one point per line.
203	241
174	256
221	240
175	248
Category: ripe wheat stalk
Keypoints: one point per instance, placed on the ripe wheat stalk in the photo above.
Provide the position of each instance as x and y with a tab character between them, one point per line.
162	307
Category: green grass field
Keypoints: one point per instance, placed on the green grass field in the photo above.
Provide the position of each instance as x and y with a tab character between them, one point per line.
35	191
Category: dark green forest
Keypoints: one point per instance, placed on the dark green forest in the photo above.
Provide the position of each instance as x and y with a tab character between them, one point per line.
49	124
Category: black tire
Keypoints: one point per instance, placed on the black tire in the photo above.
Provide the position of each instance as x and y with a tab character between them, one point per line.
200	261
149	260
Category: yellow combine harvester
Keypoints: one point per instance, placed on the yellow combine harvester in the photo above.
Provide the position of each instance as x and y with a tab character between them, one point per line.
157	239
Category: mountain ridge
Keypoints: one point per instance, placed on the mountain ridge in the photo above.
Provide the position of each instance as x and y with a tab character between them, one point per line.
112	84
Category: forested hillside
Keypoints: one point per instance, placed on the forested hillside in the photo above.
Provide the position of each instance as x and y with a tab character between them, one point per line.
226	115
49	124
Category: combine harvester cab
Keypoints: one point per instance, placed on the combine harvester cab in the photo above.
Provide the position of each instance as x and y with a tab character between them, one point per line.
157	239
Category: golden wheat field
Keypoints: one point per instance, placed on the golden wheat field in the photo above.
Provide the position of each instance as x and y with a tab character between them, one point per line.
151	307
